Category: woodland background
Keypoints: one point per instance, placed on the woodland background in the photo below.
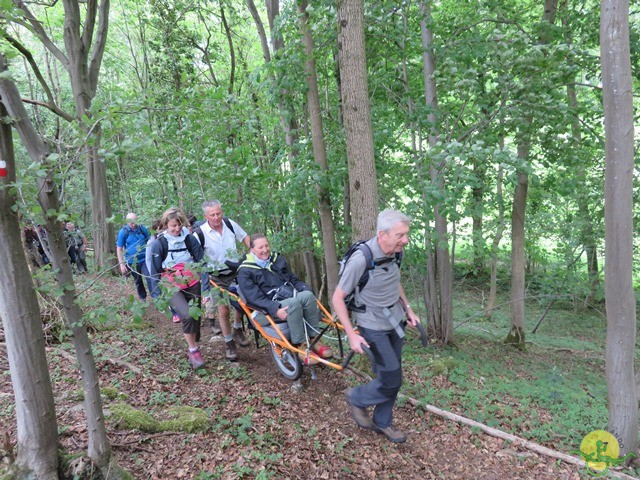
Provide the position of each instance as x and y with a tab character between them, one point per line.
486	121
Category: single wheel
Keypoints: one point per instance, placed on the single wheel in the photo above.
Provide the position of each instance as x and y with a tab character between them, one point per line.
288	363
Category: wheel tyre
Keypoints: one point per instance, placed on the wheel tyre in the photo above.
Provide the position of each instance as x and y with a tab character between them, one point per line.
288	363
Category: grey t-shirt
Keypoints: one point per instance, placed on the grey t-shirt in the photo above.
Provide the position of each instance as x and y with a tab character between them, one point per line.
382	291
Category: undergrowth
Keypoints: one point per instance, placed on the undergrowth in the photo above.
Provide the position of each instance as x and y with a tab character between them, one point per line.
554	393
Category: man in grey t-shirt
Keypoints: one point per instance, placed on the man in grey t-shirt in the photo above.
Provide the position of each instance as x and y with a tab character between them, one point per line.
380	324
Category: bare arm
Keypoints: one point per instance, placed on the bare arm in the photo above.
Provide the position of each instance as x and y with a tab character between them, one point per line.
355	340
123	264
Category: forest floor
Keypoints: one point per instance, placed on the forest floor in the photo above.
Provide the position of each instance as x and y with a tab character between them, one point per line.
258	426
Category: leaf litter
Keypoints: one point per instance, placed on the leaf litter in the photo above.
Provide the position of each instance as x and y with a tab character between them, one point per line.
260	427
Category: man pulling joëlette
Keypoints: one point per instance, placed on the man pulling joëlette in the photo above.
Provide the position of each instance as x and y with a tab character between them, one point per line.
381	324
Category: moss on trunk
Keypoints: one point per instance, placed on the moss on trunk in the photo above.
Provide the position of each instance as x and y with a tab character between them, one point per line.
516	338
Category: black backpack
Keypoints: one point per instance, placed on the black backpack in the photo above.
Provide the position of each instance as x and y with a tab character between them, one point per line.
198	230
350	300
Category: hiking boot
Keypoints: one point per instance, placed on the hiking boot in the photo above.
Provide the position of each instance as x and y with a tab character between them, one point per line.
195	359
394	435
360	415
215	328
232	351
240	339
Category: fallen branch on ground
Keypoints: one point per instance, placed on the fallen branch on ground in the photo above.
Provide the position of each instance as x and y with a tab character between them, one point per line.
521	442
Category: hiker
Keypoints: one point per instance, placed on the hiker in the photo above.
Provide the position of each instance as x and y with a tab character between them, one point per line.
218	236
131	244
76	248
380	322
43	244
267	284
156	228
172	255
32	244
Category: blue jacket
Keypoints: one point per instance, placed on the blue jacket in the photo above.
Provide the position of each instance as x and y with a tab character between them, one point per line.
134	243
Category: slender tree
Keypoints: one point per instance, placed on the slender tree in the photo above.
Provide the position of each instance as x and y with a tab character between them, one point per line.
37	431
618	214
99	447
319	151
85	38
516	335
438	261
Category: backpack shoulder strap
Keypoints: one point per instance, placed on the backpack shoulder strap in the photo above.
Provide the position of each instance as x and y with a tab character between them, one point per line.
198	231
228	223
164	244
368	256
188	241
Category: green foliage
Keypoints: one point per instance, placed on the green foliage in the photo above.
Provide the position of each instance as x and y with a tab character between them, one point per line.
555	392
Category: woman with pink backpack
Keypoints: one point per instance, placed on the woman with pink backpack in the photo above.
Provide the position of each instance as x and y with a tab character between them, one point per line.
174	258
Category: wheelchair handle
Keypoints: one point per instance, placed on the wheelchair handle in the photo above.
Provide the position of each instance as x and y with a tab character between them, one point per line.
423	335
348	359
351	353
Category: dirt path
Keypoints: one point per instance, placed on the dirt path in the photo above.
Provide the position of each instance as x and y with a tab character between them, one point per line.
260	427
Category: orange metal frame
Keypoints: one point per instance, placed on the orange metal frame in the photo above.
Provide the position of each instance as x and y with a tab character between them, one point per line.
281	342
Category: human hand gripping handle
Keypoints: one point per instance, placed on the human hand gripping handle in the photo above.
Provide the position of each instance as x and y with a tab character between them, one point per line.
414	321
412	318
356	342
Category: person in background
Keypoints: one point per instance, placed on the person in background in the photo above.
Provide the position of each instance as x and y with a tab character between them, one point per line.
43	245
380	324
32	244
130	247
76	247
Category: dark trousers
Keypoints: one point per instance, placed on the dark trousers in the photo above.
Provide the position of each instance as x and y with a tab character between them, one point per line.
71	251
382	391
139	272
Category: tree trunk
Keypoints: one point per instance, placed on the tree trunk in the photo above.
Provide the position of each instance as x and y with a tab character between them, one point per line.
440	244
346	197
516	334
363	188
37	430
99	448
618	214
319	153
289	127
587	234
493	265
